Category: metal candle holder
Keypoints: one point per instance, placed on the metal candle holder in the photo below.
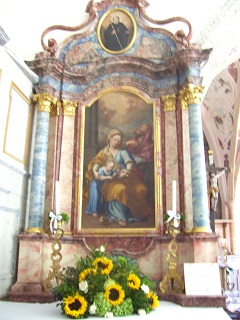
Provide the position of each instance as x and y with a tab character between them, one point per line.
172	282
56	257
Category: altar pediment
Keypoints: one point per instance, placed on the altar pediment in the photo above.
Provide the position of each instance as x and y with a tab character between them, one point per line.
118	45
81	52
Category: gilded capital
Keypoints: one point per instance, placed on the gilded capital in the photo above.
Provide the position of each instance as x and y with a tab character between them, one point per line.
191	94
169	102
44	101
69	107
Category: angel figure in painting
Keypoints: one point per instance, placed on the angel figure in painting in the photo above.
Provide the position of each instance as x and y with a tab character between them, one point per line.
126	194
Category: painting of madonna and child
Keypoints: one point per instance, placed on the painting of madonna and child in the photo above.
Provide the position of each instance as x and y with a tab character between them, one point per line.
118	186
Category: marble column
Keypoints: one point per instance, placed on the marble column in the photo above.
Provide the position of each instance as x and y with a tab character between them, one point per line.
38	180
187	182
191	95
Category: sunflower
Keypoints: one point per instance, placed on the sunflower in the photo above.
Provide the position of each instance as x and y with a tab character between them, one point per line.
114	294
133	281
85	273
75	306
104	264
153	299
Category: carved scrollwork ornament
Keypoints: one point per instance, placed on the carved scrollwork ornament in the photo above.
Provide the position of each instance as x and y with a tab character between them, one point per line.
191	94
44	101
169	102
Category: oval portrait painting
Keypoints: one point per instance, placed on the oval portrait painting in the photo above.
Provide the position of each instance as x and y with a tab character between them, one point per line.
116	31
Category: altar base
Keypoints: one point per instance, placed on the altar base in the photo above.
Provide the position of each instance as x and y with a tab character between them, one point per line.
30	292
166	310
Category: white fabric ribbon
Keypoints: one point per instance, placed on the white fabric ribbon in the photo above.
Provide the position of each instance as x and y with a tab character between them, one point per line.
54	220
173	215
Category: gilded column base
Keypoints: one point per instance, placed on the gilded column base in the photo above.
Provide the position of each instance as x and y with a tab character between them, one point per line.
202	229
35	230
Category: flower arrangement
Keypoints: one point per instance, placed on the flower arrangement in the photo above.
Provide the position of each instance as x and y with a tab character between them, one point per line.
105	286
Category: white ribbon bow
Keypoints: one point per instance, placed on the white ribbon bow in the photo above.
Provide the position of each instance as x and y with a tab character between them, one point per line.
173	215
54	220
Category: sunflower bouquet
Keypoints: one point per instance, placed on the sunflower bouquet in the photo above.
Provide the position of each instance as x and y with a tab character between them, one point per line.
105	286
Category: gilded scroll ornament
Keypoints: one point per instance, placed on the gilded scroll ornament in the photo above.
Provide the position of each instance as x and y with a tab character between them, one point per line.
169	102
44	101
69	107
191	94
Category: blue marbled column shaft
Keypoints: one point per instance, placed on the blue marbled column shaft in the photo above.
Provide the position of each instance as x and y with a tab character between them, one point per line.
198	168
38	184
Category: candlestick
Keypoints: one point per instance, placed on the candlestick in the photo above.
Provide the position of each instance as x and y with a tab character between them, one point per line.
57	197
174	204
224	250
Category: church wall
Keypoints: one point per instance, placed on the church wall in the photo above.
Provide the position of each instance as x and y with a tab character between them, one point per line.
14	196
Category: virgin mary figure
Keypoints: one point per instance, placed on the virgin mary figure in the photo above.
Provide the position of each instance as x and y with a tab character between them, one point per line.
126	195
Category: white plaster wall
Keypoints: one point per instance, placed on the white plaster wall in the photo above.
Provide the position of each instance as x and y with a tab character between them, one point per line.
14	179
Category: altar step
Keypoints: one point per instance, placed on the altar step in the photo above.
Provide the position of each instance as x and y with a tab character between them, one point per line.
194	301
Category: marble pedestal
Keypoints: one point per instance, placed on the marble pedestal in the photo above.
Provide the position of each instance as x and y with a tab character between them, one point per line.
35	251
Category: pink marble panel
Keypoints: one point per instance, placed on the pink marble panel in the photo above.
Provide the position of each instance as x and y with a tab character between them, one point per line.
29	263
171	157
66	168
205	251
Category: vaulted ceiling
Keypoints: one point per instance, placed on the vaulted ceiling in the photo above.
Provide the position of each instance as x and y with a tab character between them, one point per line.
220	107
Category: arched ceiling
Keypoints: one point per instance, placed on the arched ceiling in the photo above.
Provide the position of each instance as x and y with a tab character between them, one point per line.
220	112
220	107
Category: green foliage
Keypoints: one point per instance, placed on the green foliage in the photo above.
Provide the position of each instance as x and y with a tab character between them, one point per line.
103	306
69	283
124	309
65	217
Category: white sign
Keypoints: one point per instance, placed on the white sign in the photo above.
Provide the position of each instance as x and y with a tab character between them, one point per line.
202	279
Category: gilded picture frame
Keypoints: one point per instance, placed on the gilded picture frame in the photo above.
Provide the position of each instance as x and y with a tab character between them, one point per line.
116	31
18	126
104	115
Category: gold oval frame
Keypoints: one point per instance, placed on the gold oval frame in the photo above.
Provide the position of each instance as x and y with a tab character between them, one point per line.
126	18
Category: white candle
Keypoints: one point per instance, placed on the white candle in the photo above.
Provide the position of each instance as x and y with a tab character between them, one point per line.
57	197
174	193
